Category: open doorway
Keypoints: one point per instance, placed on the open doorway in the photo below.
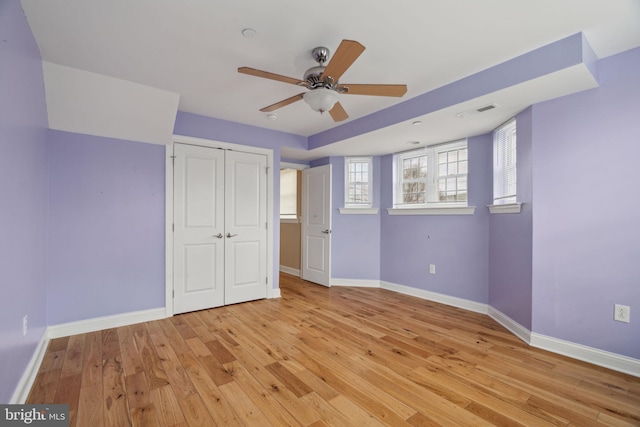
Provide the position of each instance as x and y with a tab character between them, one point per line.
290	219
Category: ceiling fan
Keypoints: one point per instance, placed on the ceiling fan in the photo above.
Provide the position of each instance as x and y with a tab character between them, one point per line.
322	81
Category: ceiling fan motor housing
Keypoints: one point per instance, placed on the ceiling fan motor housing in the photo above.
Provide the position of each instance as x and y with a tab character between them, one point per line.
313	76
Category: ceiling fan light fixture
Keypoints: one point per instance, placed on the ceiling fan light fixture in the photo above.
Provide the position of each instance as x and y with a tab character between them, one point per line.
321	99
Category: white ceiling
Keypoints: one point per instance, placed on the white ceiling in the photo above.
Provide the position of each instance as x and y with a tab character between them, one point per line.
194	47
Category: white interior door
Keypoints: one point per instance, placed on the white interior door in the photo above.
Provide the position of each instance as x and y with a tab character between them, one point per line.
198	228
316	225
246	227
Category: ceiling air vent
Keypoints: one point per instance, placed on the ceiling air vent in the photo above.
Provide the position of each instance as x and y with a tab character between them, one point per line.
486	108
476	111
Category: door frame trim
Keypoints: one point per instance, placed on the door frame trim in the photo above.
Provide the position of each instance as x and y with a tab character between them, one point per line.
271	292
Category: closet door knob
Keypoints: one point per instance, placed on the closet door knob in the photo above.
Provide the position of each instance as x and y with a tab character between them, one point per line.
219	235
229	235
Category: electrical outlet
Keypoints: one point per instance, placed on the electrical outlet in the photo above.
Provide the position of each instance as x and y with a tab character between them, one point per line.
25	325
622	313
432	269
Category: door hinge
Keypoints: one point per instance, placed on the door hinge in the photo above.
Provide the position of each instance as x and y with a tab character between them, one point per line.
266	225
173	227
267	170
266	280
173	159
173	294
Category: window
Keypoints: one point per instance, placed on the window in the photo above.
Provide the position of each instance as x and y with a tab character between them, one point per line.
288	194
504	166
435	175
452	175
357	191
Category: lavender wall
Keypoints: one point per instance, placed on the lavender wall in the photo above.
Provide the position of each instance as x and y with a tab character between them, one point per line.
355	241
586	238
510	239
457	245
107	226
23	191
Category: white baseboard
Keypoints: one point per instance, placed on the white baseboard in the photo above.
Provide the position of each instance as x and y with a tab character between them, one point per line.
617	362
289	270
511	325
437	297
356	283
275	293
106	322
595	356
21	392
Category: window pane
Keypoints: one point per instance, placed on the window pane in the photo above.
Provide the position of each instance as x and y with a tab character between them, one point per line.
462	167
453	169
462	183
289	192
504	171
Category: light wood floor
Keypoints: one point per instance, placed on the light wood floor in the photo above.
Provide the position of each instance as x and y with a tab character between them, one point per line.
319	357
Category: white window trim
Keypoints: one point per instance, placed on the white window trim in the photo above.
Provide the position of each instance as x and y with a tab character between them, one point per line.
428	208
505	208
359	211
499	170
358	206
444	210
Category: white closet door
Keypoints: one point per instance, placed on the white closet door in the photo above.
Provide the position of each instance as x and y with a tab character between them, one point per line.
246	227
198	228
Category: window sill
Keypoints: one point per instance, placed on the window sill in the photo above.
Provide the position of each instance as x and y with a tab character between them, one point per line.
290	221
508	208
358	211
445	210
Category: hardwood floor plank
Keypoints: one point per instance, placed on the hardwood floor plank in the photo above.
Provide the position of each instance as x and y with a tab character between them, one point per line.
242	405
116	408
156	376
169	411
68	392
73	357
330	416
131	360
220	352
268	405
44	387
143	411
90	407
327	357
208	392
92	362
285	397
196	413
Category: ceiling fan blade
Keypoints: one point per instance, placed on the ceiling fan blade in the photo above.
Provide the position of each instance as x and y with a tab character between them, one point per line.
337	113
268	75
346	54
282	103
376	90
